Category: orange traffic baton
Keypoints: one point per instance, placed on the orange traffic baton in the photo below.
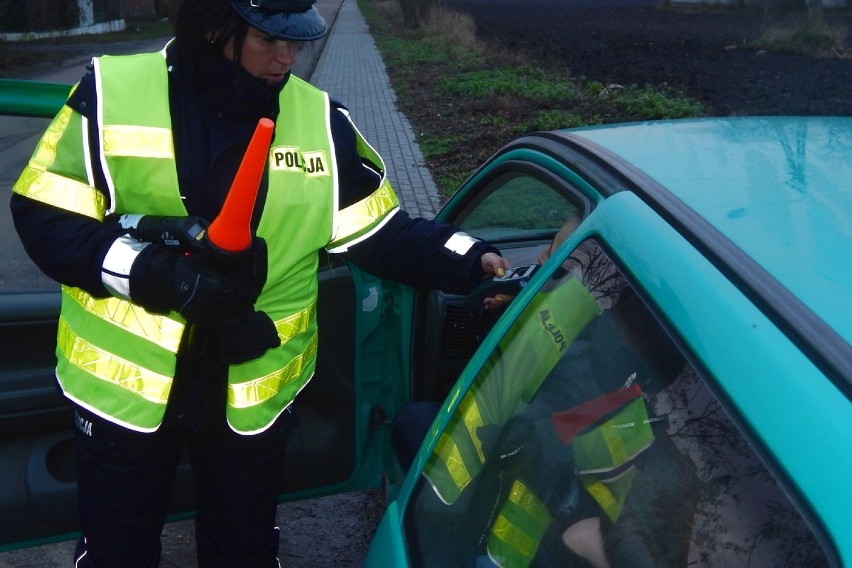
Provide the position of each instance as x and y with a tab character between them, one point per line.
230	231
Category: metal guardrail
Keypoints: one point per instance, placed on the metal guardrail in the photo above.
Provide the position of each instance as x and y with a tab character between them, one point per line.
19	97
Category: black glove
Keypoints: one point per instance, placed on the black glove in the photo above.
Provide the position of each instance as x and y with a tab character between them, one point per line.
181	233
210	289
251	335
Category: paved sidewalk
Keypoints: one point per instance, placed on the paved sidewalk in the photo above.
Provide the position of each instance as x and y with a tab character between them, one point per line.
351	70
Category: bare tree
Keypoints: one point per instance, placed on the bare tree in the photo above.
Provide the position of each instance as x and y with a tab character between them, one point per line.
415	13
814	10
772	8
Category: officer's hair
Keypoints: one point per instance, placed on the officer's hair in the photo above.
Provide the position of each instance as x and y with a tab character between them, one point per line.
202	28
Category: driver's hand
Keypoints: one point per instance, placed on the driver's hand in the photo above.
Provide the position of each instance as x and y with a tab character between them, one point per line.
497	302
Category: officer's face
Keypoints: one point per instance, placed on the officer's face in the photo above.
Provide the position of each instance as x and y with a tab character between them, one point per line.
265	57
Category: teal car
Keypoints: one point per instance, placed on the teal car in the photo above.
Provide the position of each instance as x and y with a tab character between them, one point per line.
663	378
672	386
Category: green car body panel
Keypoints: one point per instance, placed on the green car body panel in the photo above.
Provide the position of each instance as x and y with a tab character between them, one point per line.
778	193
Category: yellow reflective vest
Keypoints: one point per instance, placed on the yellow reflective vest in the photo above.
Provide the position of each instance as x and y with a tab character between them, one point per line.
118	360
507	381
518	529
604	450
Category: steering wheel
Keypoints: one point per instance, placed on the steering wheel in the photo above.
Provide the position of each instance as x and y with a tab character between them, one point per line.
509	284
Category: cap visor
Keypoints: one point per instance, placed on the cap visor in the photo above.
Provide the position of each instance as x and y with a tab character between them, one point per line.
293	26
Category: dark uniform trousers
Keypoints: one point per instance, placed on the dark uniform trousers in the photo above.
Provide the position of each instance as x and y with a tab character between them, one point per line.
125	481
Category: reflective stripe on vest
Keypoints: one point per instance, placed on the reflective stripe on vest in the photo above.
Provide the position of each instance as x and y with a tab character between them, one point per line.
129	317
105	366
518	528
511	376
256	391
603	454
358	221
457	459
39	183
137	141
610	494
116	359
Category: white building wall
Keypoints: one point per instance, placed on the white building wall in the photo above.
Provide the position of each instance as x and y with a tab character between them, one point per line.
87	12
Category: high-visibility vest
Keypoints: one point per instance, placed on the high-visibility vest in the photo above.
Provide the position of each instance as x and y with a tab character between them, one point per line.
508	380
607	434
518	529
118	360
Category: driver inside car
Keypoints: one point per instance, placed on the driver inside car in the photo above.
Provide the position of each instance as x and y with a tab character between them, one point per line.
530	482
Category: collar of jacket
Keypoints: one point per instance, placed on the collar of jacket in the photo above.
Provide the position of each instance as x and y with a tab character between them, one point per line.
226	90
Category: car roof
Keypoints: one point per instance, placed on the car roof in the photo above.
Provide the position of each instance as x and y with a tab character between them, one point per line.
779	188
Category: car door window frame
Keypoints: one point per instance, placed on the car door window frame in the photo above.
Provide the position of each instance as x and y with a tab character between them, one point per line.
434	371
472	197
425	486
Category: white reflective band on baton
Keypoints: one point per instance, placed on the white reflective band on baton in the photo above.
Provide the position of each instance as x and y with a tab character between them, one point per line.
115	271
129	220
460	243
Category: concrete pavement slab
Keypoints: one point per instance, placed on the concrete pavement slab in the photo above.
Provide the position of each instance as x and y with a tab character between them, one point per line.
351	70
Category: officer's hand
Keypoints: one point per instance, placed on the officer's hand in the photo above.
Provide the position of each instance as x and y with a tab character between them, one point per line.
207	293
203	289
246	337
182	233
252	262
495	265
497	302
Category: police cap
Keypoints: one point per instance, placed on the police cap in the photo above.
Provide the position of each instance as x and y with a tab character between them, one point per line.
293	20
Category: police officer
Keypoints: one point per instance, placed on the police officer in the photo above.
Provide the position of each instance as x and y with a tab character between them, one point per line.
162	347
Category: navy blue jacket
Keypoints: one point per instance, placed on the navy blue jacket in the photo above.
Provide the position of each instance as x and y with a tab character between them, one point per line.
408	250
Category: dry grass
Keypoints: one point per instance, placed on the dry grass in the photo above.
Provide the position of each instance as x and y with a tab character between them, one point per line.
454	28
451	27
391	10
811	38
